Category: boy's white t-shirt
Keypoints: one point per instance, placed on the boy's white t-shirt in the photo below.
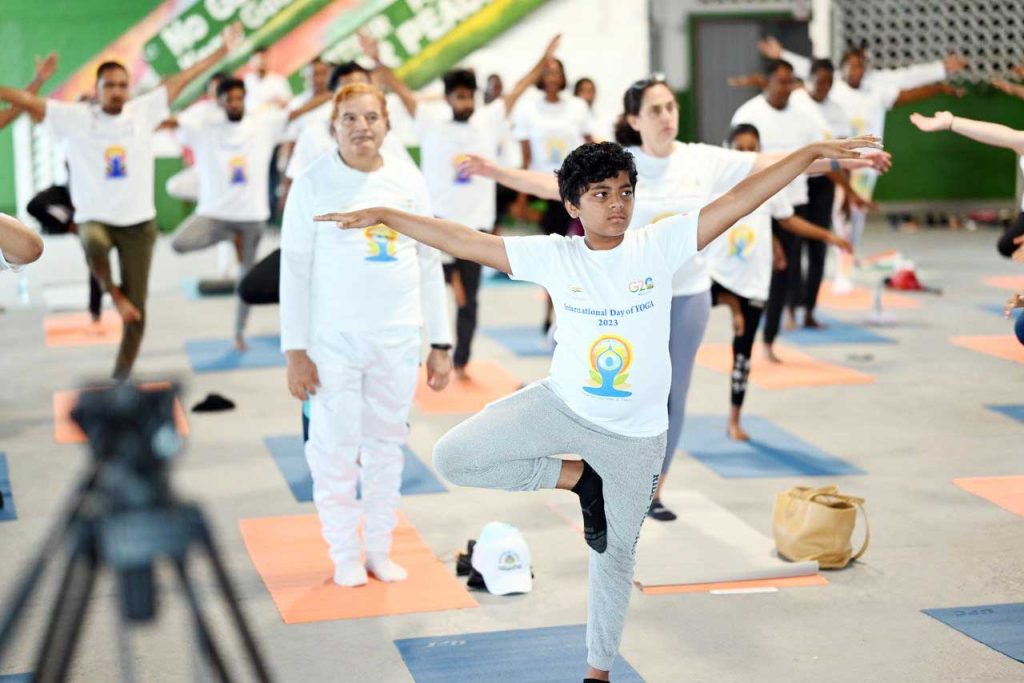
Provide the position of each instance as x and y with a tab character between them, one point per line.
553	129
685	181
834	114
335	280
611	364
110	158
443	144
741	258
233	163
784	130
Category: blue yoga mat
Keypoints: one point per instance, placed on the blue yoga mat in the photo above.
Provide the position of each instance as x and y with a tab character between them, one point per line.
998	310
219	355
499	279
835	332
1015	412
1001	627
9	511
16	678
288	452
771	452
522	340
190	288
556	654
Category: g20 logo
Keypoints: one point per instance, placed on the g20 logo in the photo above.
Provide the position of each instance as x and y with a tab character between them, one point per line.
641	286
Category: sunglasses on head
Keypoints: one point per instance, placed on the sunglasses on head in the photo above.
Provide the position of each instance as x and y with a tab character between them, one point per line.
645	83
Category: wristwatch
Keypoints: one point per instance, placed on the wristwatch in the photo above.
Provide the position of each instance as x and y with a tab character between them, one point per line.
441	347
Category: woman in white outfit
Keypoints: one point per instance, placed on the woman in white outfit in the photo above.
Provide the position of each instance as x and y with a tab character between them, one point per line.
352	308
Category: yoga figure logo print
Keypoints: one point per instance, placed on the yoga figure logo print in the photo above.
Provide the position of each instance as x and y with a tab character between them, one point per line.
610	359
237	165
381	241
461	177
741	242
556	149
115	156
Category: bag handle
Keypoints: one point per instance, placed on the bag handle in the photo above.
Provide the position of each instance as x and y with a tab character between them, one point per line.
867	529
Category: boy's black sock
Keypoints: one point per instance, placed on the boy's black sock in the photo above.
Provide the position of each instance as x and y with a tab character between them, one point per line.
595	526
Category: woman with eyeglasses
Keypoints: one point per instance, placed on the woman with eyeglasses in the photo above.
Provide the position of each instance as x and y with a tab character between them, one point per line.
673	178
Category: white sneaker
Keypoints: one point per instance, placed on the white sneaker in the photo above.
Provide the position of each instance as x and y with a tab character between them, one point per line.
381	566
350	574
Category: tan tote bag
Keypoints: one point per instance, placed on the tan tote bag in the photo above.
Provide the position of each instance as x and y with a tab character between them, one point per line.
817	524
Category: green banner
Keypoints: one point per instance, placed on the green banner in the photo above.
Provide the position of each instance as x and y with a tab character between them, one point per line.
195	33
421	39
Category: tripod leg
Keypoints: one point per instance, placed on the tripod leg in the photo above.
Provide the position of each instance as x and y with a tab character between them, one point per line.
58	645
202	533
206	642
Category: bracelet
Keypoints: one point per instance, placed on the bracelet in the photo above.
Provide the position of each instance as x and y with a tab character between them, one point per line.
441	347
951	120
834	165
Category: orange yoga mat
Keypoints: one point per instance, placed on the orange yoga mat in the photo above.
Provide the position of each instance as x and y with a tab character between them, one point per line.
999	345
1014	282
786	582
66	431
796	369
291	558
1006	492
488	382
860	299
78	329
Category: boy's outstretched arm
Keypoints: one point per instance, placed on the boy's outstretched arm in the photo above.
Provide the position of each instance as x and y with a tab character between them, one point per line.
721	214
448	236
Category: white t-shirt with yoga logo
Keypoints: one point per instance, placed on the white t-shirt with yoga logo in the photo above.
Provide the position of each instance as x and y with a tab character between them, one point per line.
335	280
443	143
611	364
553	129
233	163
741	258
110	158
685	181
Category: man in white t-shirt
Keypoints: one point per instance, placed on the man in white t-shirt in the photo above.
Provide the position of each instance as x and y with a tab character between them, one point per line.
607	392
783	126
19	245
232	159
109	148
318	79
264	88
447	133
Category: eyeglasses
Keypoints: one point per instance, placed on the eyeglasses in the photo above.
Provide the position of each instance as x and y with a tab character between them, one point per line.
645	83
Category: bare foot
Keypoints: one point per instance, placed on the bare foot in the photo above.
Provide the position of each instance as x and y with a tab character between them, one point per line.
240	344
462	375
736	432
126	309
769	354
790	323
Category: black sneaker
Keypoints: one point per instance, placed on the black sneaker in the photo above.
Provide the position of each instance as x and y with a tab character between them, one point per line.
660	512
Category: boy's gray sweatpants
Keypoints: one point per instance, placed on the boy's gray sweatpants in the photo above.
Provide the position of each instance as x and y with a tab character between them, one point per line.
510	445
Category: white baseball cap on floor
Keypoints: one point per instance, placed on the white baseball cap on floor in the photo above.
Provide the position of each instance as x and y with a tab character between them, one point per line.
503	559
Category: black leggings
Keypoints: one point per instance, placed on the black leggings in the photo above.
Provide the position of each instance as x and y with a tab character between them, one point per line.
1005	244
465	325
742	345
261	285
821	192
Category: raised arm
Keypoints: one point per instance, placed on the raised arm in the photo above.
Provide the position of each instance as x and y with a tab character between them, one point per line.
926	91
313	103
23	100
724	212
19	244
1009	88
371	48
231	38
994	134
450	237
530	78
880	161
543	185
44	71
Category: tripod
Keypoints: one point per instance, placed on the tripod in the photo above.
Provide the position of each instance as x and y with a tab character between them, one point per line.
123	516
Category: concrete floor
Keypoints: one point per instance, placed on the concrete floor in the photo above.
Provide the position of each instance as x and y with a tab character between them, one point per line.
922	423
